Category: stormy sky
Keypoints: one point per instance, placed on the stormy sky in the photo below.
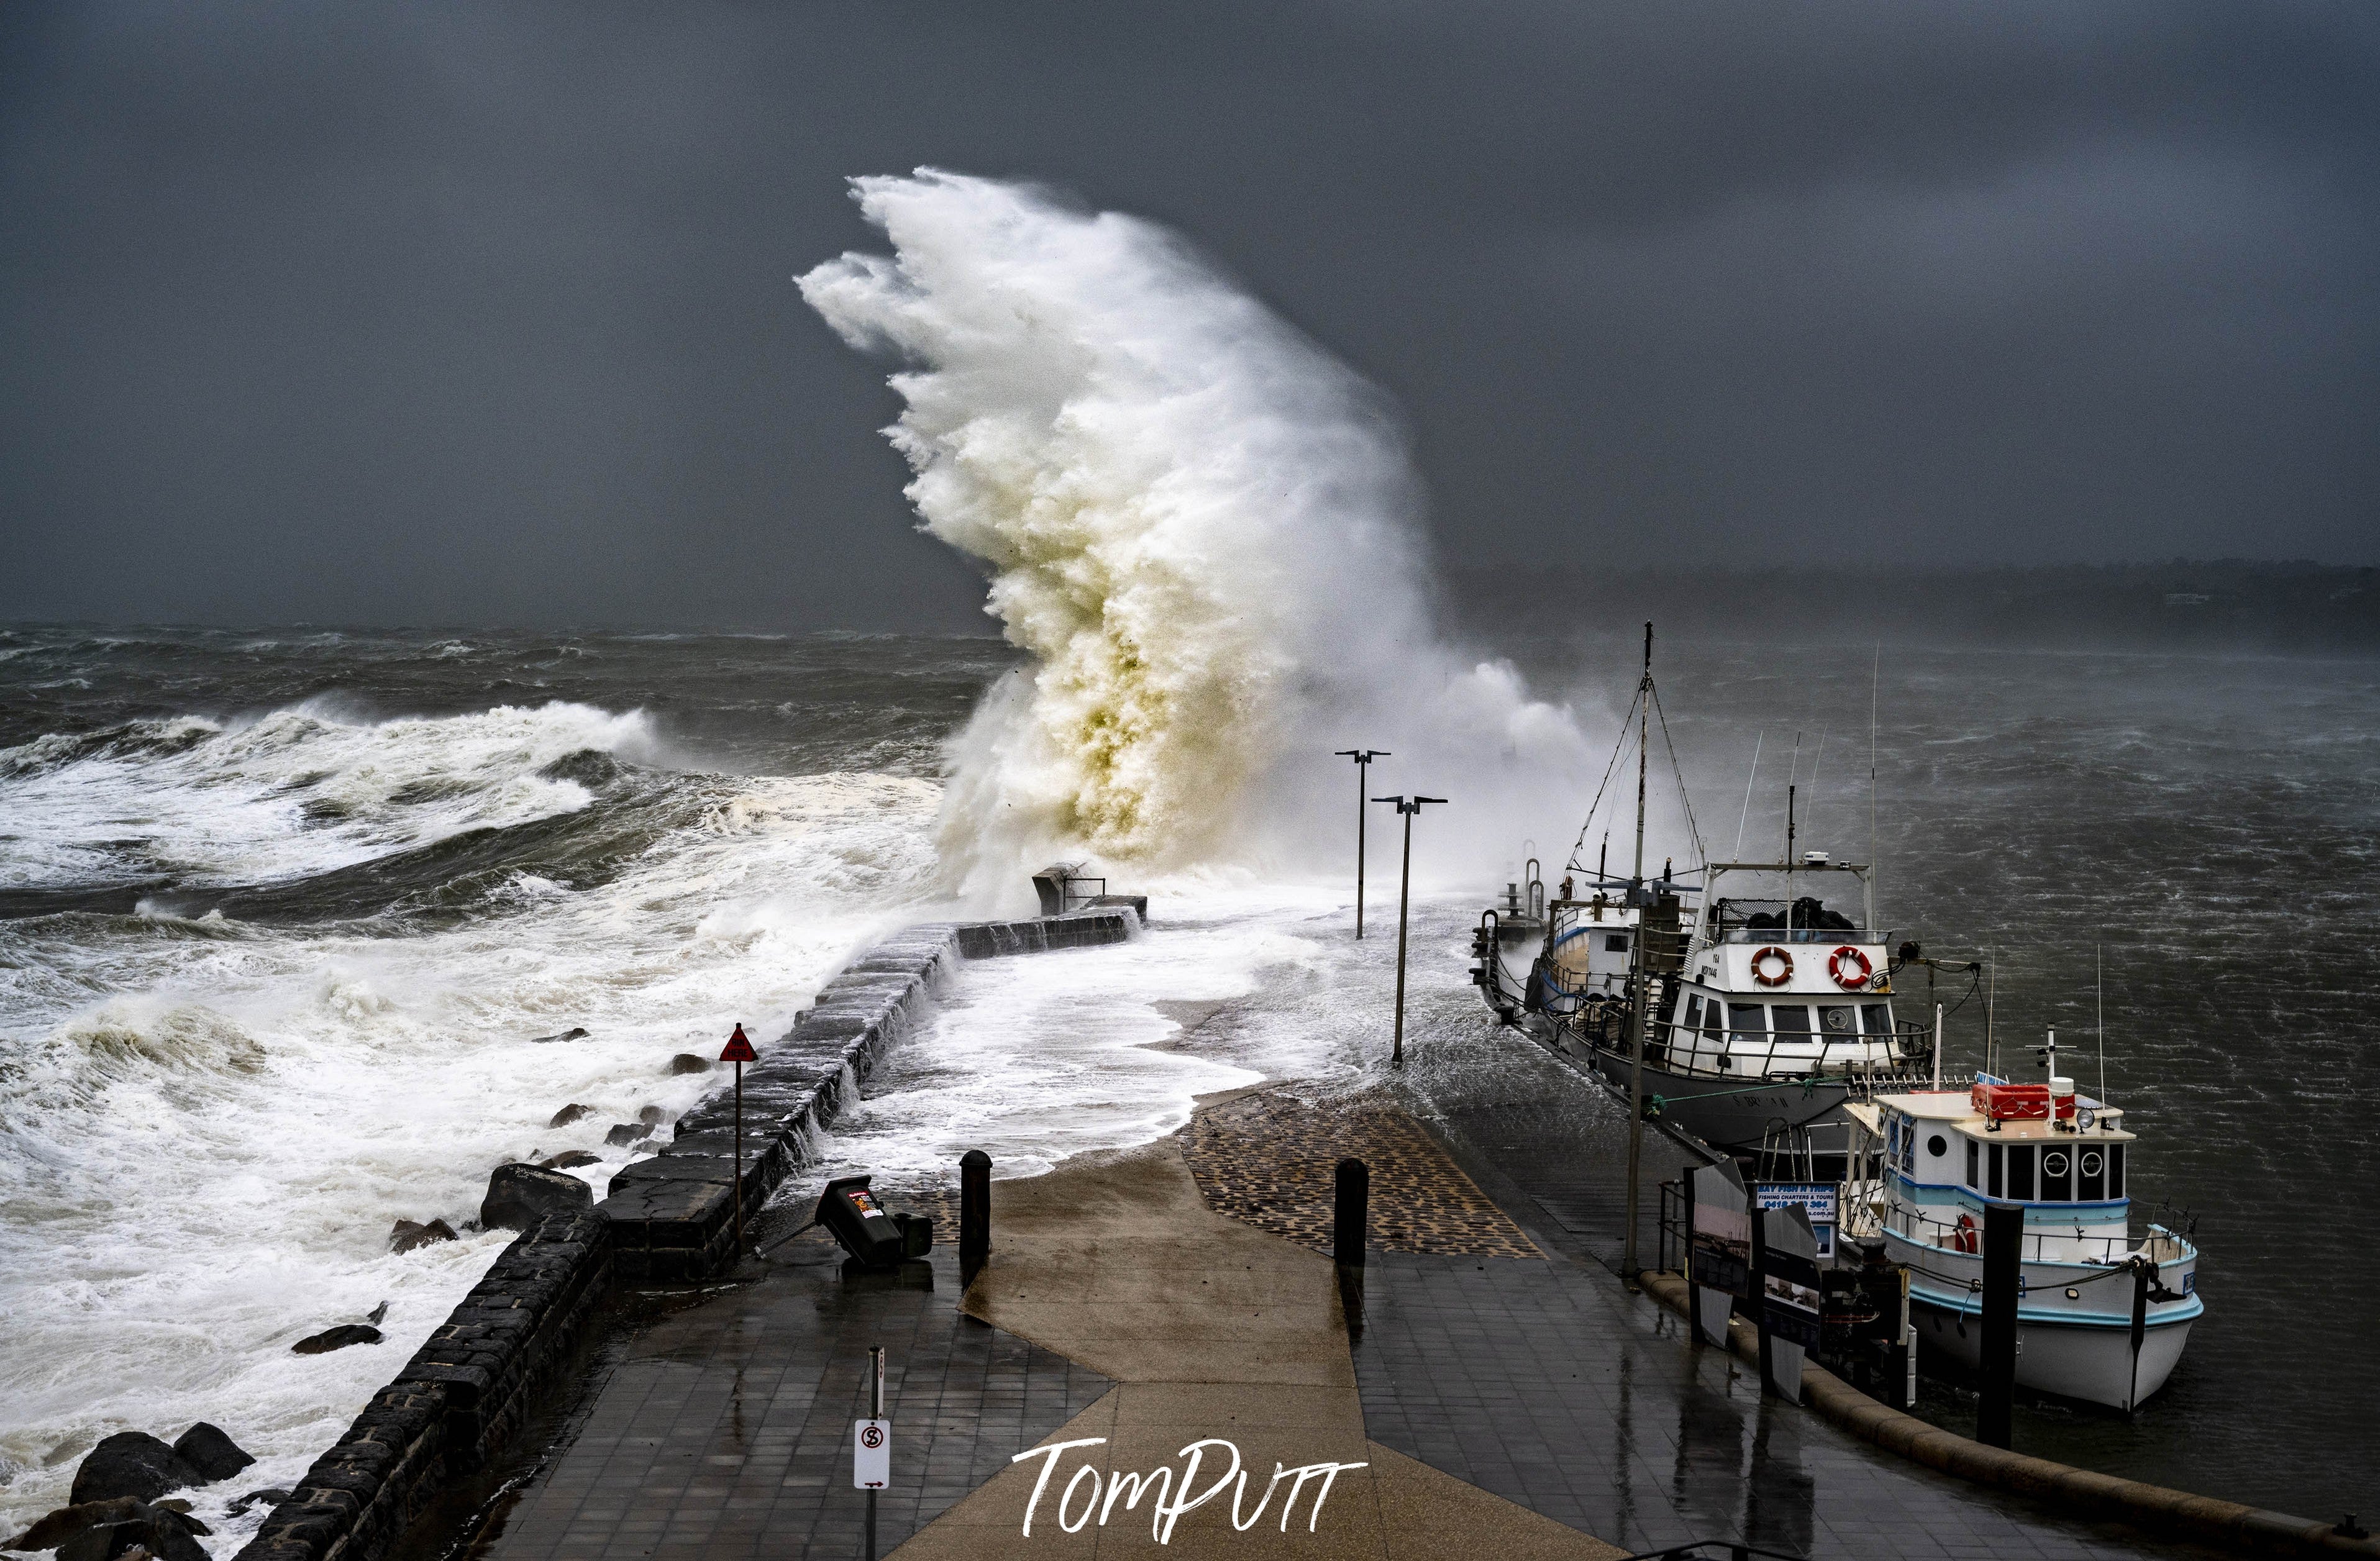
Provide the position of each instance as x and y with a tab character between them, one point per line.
481	313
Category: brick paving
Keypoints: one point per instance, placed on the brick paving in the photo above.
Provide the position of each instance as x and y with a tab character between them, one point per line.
1270	1159
725	1430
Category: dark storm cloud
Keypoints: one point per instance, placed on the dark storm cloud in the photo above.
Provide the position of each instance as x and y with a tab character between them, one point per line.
480	312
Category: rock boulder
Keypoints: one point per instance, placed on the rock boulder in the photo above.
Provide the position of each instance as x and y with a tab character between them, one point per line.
571	1034
56	1528
569	1114
627	1132
687	1063
205	1449
404	1236
130	1463
570	1160
339	1337
520	1194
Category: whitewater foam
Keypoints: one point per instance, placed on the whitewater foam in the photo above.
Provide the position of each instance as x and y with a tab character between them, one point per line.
1202	527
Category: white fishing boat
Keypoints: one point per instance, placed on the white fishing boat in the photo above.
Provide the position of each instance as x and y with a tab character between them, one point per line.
1761	990
2103	1313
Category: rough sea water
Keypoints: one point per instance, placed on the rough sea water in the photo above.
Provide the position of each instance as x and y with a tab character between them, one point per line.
284	913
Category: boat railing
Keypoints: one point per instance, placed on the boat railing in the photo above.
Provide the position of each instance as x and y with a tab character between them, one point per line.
1754	1055
2158	1244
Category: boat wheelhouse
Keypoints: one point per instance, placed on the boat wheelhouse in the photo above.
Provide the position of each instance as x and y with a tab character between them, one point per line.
2104	1314
1767	1011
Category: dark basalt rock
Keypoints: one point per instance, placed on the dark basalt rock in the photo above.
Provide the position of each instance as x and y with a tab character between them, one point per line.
651	1115
520	1194
573	1035
205	1449
627	1132
268	1495
569	1114
570	1160
54	1528
687	1063
160	1534
339	1337
130	1463
404	1236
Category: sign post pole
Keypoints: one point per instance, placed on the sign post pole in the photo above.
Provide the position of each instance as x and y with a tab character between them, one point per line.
740	1051
871	1444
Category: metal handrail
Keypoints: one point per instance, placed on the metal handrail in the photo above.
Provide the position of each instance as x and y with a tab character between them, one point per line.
1795	935
2158	1243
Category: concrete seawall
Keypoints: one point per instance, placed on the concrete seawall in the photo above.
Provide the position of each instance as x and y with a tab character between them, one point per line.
670	1216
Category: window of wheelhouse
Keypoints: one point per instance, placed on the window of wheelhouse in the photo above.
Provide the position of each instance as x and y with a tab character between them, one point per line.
1837	1021
2090	1174
1790	1021
2115	1170
1747	1025
2057	1174
1877	1018
1974	1171
2020	1167
1997	1157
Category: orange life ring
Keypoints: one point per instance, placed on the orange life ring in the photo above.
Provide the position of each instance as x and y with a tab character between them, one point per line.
1761	958
1835	968
1965	1238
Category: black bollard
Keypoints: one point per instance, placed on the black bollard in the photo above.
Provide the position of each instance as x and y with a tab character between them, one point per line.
2003	1272
1350	1218
975	1214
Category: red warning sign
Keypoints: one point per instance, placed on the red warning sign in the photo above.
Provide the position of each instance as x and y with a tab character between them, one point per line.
738	1049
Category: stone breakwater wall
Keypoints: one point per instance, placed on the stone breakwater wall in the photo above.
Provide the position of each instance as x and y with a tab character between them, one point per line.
670	1216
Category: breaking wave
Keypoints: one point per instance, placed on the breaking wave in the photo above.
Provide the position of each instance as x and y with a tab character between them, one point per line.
1203	529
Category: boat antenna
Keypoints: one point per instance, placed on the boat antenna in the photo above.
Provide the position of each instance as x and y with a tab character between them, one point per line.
1603	857
1746	815
1991	985
1874	672
1640	1020
2099	979
1788	858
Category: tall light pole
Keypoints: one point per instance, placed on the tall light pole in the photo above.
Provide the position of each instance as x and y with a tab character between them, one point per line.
1363	757
1405	894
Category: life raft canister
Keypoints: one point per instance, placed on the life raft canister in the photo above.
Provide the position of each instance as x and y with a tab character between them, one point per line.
1845	956
1771	951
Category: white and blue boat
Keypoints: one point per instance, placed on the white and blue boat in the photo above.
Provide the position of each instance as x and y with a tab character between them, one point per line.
2104	1313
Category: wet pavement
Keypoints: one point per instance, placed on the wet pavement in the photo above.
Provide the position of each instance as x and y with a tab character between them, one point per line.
1547	1383
723	1429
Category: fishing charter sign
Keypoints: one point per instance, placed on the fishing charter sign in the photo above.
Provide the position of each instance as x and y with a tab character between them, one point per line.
1092	1495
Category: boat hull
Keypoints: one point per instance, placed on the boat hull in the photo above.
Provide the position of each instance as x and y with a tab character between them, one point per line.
2089	1363
1731	1114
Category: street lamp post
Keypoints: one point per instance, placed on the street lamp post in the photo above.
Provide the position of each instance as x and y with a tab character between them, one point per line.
1363	757
1408	806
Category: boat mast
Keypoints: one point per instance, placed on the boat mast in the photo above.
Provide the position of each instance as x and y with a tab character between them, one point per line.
1640	1022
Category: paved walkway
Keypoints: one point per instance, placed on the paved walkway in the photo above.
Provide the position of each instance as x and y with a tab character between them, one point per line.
1212	1329
725	1430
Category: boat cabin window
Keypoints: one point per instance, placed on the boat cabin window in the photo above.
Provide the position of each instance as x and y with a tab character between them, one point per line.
2115	1170
2057	1175
1791	1019
2090	1175
1615	943
1837	1021
1974	1172
2020	1173
1747	1023
1878	1017
1695	1011
1998	1160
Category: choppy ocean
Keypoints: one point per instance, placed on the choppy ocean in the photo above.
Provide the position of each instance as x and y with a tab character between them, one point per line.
283	912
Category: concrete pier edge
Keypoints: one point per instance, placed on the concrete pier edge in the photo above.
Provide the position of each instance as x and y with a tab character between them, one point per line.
669	1215
2203	1520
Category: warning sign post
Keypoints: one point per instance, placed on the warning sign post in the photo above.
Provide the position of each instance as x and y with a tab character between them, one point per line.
871	1444
740	1051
